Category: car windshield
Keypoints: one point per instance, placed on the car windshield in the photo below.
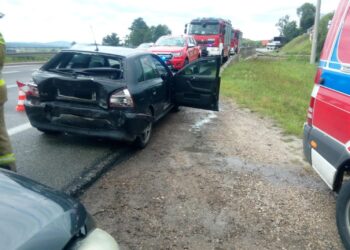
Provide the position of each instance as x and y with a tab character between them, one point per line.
204	29
171	41
87	64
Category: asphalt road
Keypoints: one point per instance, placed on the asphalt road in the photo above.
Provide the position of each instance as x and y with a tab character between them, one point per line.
62	161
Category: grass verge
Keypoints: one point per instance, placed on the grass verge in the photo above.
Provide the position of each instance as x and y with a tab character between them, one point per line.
279	89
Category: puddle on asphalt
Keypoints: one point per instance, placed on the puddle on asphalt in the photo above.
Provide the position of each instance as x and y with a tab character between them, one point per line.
199	124
276	175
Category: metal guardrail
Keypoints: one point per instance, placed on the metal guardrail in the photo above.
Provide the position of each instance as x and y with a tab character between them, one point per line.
247	52
31	54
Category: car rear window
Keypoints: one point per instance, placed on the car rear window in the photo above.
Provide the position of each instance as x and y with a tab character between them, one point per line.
94	64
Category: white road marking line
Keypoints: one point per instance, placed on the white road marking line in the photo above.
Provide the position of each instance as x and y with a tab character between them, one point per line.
19	129
10	72
11	86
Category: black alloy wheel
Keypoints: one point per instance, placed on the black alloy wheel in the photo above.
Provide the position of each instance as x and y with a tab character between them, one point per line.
143	139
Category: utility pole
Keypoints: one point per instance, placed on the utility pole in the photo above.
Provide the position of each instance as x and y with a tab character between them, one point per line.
315	33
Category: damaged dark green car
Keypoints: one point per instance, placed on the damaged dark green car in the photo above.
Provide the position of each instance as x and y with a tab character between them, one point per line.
114	92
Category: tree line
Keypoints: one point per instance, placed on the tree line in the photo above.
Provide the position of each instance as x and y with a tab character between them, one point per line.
306	13
140	32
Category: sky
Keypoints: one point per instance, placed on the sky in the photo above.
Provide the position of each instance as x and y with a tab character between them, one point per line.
71	20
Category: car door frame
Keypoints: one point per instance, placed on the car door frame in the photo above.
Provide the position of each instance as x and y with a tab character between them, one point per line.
196	90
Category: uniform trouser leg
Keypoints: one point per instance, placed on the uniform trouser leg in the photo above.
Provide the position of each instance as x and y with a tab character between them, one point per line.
7	157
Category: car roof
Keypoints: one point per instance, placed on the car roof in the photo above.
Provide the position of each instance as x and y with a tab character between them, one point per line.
120	51
177	36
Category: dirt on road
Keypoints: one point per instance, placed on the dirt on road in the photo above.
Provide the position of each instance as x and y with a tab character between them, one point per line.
216	180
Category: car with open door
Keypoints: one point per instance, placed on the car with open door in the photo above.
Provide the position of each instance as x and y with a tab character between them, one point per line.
115	92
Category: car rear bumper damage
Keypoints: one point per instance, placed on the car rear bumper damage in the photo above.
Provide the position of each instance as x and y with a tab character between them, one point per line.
91	121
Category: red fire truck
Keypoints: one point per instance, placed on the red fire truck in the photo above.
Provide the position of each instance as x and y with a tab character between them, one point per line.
235	41
213	35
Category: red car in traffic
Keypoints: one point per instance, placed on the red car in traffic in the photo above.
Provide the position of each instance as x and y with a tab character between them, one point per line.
176	51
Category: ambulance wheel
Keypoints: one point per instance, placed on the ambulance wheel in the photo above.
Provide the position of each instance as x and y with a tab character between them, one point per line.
343	214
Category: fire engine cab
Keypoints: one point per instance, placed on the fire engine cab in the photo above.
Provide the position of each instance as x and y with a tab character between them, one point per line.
213	35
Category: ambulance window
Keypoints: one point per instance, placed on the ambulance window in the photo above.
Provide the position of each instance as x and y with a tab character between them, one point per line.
344	42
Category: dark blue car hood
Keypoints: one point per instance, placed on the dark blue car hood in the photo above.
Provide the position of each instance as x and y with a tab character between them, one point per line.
33	216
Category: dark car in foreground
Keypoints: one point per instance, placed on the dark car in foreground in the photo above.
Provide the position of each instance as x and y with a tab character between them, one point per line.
115	92
33	216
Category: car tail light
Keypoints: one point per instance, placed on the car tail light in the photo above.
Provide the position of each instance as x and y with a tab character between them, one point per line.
310	111
32	90
121	99
29	88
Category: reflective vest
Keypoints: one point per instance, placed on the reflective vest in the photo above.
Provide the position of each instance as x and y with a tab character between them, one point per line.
7	159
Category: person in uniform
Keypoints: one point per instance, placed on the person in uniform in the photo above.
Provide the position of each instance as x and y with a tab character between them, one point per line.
7	157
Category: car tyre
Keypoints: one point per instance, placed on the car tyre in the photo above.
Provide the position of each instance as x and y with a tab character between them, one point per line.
49	132
175	109
343	214
143	139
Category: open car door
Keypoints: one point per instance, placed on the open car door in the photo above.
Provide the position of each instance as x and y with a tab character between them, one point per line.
197	85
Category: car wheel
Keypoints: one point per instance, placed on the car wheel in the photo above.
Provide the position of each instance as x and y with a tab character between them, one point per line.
343	214
143	139
175	109
49	132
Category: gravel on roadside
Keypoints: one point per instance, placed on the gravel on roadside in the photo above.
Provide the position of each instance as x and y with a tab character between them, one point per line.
216	180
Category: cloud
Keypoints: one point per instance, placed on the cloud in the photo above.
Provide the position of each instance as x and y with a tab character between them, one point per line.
70	20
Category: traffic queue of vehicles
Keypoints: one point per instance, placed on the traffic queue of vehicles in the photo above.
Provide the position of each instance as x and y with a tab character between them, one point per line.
213	35
203	37
327	131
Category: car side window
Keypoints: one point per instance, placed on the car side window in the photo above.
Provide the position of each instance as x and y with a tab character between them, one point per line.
139	71
160	67
201	68
149	68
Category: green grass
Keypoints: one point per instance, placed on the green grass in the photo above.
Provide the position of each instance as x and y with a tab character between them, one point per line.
279	89
300	45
